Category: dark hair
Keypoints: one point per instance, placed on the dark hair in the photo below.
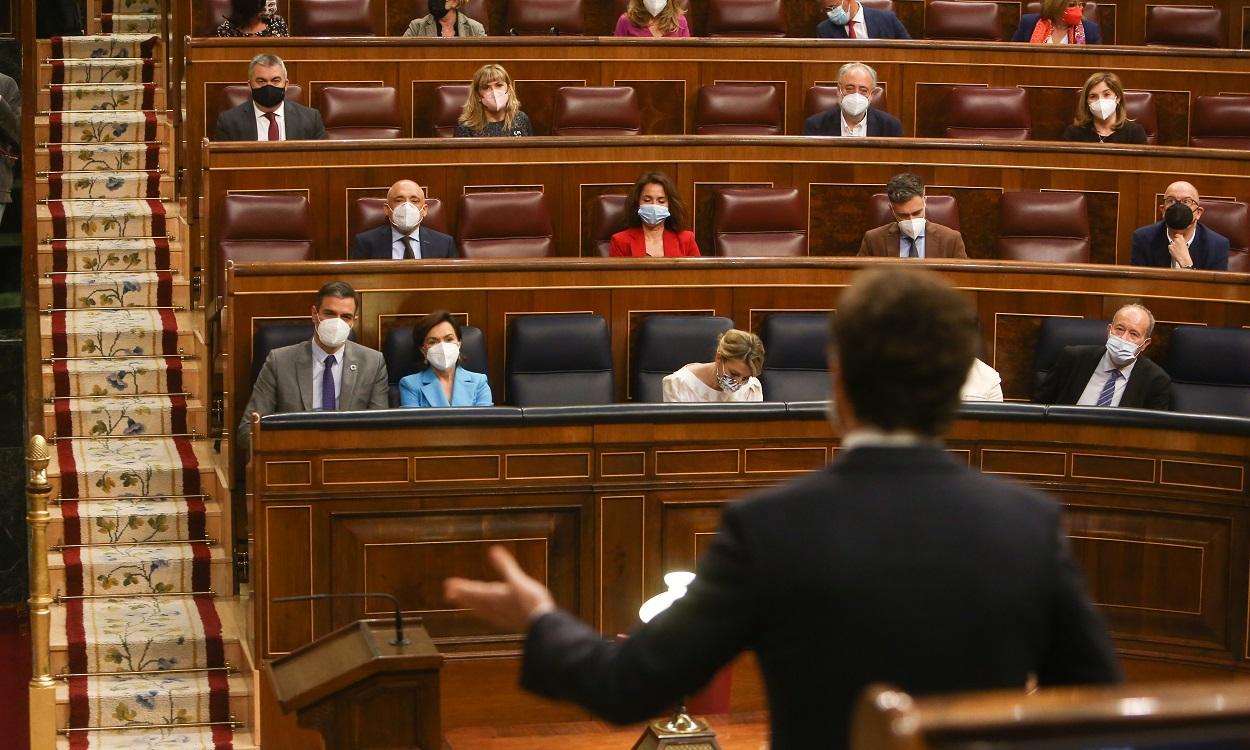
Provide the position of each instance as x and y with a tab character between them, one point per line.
903	187
338	289
676	220
904	341
243	11
422	329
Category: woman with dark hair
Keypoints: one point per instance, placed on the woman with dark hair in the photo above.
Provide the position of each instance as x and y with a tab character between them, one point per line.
1060	22
441	381
655	222
1100	115
250	18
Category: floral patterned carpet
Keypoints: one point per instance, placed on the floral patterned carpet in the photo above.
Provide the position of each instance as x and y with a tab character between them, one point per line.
137	636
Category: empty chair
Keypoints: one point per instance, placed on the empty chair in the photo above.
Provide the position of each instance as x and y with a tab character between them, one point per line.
796	364
755	222
1231	219
607	217
745	18
939	209
663	344
505	225
263	227
402	355
989	113
1210	369
597	110
1051	227
559	360
823	97
332	18
1140	108
538	17
1220	122
962	20
1184	26
1056	334
738	109
448	104
366	213
360	112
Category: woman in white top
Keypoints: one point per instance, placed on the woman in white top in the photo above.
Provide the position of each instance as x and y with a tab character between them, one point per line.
731	376
983	383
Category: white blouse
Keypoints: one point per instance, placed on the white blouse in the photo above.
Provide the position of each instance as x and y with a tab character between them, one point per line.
684	387
983	383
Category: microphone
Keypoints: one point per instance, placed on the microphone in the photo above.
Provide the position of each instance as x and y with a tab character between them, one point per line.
554	31
400	640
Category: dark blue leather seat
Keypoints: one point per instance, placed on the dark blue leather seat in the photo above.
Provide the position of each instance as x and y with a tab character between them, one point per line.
401	355
664	344
1210	369
277	335
559	360
1057	333
796	365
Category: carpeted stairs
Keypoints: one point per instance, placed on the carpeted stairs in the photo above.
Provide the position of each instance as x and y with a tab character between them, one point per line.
146	646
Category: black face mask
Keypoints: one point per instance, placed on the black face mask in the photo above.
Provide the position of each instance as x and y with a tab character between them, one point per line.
1178	216
438	9
268	96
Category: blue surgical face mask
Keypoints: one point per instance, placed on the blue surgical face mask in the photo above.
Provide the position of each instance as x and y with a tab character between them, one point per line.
838	16
653	213
1119	351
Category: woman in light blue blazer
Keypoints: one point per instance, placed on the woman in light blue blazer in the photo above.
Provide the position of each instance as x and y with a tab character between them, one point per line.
441	381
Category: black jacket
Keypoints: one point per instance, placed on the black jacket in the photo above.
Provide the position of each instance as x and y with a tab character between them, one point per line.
829	122
375	244
897	565
1148	386
239	123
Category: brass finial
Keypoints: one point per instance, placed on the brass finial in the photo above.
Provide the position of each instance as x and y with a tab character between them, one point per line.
37	458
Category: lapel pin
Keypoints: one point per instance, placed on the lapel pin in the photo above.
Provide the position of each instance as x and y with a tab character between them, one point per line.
352	367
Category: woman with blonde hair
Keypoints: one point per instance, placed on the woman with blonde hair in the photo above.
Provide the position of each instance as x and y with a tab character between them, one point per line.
731	376
492	108
1100	115
1060	22
652	18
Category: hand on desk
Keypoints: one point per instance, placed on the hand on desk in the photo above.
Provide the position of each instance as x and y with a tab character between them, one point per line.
510	604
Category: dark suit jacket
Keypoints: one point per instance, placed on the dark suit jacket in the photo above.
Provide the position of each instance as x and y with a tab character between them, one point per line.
939	242
239	123
829	122
1148	386
881	25
1024	32
895	565
375	244
1209	250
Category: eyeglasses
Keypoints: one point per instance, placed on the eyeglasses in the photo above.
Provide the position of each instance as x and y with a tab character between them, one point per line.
1170	201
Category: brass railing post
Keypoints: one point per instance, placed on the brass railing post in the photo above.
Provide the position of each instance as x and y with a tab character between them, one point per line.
42	686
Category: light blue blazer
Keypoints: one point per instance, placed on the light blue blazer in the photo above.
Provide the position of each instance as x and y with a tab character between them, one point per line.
423	389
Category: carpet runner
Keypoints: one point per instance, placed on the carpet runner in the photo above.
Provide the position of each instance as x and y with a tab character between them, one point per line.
136	566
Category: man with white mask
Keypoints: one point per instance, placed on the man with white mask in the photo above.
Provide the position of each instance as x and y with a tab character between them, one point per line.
1115	374
403	237
854	117
324	373
910	235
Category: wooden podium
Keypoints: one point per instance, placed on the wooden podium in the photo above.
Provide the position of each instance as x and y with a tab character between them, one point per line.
360	691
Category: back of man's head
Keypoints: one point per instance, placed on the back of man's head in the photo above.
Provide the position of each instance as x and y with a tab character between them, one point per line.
903	342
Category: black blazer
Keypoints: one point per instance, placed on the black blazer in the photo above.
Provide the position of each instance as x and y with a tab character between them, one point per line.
375	244
829	122
1209	250
881	25
1024	32
239	123
895	565
1148	386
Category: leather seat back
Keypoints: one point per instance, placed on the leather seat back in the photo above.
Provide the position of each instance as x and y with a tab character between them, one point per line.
1057	333
1184	26
759	222
1140	107
980	112
745	18
543	17
963	20
1044	226
332	18
1221	122
559	360
663	344
1210	369
607	217
796	361
597	110
449	102
263	227
738	109
939	209
360	112
514	224
1231	219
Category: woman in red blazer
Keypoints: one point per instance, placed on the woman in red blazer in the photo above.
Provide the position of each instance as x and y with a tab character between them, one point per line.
658	227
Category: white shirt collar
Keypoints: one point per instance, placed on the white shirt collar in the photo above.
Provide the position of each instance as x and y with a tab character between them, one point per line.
869	437
396	234
858	18
319	354
261	115
1105	364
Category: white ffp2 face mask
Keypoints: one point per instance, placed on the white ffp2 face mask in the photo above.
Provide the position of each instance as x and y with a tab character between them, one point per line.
444	355
406	217
333	332
854	105
655	7
1103	108
912	227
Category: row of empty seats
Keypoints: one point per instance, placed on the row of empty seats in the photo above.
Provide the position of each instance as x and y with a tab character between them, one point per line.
971	112
962	20
747	222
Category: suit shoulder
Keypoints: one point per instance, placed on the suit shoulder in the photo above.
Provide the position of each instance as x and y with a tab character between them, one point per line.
1146	232
364	352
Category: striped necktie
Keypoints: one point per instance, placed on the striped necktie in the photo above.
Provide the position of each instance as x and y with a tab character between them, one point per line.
1108	390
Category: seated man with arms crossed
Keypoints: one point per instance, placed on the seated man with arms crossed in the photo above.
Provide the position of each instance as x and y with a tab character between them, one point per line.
325	373
895	563
403	237
910	235
1112	375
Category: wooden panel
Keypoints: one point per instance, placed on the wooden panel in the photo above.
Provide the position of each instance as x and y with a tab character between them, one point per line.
547	466
631	464
381	470
699	461
622	540
289	473
1115	468
784	460
1202	474
456	468
288	536
1024	462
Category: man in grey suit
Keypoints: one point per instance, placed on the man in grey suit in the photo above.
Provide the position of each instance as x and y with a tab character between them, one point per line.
268	116
403	237
325	373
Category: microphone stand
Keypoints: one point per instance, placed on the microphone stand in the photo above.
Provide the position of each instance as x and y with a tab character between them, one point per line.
400	640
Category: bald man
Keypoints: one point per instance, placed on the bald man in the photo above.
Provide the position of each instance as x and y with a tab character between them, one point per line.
1179	241
402	237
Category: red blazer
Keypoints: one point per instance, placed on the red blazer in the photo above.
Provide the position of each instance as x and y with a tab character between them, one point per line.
630	243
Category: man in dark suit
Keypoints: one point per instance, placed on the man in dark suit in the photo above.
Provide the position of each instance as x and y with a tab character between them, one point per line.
854	116
402	236
896	563
1179	241
268	116
910	235
847	19
1112	375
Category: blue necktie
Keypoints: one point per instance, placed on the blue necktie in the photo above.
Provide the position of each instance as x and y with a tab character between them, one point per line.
327	386
911	247
1108	390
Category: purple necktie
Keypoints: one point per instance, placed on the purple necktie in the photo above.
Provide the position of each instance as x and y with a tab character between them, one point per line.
327	386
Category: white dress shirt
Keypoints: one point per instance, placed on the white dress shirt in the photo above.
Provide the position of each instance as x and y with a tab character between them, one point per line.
319	368
684	387
1089	397
870	437
262	122
861	28
397	243
858	130
904	251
